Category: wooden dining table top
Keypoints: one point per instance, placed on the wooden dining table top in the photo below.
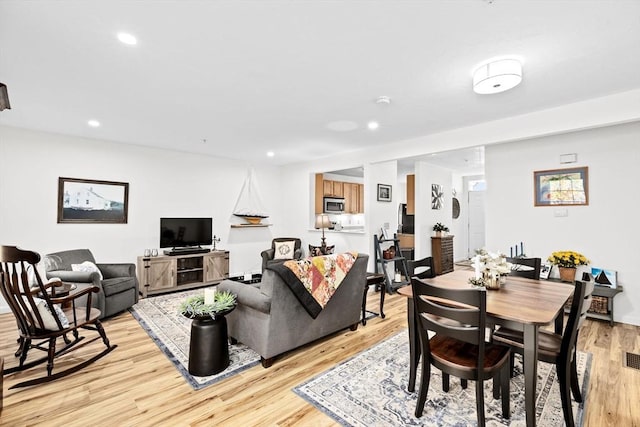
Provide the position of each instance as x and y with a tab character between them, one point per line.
520	299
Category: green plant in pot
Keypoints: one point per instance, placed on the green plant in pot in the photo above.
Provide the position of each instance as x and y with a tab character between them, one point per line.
440	228
194	306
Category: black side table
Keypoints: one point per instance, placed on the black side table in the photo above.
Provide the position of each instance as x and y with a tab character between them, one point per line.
209	348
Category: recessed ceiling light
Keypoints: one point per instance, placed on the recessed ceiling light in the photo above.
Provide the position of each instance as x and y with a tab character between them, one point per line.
93	123
270	154
373	125
127	38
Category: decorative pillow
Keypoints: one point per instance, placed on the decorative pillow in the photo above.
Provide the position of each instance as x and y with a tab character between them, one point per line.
284	250
88	267
317	250
47	317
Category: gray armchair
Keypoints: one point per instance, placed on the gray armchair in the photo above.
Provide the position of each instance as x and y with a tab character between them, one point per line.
269	254
118	287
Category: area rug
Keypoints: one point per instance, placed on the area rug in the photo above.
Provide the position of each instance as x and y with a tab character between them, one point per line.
171	331
370	389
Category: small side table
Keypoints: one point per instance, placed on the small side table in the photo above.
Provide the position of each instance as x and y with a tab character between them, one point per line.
209	348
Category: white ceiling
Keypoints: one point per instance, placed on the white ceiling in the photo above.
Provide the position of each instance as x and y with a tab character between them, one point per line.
254	76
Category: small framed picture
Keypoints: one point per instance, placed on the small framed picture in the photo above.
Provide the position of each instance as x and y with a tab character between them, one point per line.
545	270
384	193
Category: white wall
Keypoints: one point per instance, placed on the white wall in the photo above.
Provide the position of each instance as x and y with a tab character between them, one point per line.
606	231
425	216
161	184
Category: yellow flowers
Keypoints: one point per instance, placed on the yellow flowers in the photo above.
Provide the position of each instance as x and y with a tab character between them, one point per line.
569	259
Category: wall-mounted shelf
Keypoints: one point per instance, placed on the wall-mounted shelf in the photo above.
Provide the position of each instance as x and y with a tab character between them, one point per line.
249	225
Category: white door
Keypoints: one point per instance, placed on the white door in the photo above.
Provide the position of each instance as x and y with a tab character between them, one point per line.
476	221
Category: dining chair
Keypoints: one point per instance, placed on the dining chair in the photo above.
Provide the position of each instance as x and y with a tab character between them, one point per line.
525	267
458	319
558	349
424	267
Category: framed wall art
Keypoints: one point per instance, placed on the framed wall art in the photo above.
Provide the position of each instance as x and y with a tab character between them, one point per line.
384	193
91	201
437	195
561	187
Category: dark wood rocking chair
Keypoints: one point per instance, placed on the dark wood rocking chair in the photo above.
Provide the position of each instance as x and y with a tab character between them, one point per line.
40	320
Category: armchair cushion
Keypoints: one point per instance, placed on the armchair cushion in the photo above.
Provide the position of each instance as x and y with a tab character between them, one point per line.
115	285
47	317
284	250
87	266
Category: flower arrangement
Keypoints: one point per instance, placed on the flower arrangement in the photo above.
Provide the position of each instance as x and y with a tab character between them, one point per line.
194	305
492	262
440	227
569	259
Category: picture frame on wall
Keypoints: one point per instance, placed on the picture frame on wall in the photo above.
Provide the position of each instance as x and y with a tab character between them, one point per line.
384	193
561	187
90	201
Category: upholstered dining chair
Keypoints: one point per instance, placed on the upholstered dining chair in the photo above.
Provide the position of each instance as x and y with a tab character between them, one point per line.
43	317
282	249
558	349
458	350
525	267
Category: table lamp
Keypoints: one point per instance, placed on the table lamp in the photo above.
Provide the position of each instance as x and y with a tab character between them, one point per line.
322	221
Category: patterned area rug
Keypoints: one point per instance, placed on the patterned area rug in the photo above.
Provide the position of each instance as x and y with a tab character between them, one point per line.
370	389
171	332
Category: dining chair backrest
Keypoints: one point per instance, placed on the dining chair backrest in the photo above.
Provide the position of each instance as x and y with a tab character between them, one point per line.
443	310
525	267
424	267
580	304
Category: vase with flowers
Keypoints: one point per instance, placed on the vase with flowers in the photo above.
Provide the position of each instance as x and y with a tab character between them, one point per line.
492	267
567	262
440	229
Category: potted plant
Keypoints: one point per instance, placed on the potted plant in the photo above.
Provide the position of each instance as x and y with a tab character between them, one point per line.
440	229
567	262
194	307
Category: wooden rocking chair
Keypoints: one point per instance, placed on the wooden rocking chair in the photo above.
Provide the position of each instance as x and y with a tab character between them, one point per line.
40	319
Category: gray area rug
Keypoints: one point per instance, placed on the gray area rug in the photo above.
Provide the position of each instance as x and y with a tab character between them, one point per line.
171	331
370	389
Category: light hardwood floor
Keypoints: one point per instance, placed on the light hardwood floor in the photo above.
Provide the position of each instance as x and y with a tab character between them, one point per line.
136	385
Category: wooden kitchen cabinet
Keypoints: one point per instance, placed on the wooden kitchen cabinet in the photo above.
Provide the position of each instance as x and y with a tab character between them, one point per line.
411	194
333	188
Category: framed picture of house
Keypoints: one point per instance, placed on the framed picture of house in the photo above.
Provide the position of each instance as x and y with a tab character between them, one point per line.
91	201
384	193
561	187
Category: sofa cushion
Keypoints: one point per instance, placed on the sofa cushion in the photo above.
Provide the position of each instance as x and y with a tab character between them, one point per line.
284	250
87	267
117	284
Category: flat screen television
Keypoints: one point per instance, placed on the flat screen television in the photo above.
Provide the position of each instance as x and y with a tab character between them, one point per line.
185	232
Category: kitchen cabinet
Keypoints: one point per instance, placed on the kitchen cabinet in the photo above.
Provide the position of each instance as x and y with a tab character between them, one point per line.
353	194
411	194
333	188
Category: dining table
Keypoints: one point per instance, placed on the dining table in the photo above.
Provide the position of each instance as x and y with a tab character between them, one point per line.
520	303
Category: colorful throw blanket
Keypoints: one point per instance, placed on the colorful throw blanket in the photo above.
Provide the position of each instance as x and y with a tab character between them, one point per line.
314	280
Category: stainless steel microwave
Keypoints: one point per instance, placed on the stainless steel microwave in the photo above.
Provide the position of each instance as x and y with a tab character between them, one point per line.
333	205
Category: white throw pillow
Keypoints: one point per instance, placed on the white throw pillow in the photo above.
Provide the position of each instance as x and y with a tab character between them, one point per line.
284	250
87	267
47	317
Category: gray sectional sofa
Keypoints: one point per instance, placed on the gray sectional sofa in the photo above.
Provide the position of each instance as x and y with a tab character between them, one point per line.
270	320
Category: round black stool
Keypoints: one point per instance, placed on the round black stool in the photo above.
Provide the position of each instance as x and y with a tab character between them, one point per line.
208	349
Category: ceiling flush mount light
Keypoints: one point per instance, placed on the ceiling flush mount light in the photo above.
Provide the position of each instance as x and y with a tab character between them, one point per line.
127	38
93	123
383	100
497	76
373	125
